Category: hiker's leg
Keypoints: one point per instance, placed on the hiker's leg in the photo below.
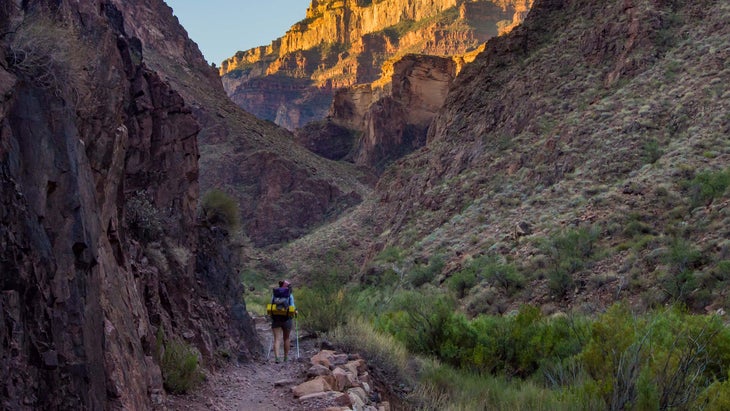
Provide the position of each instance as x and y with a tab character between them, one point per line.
287	343
277	340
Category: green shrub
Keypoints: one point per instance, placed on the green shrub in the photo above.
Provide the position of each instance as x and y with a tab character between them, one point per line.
322	310
619	360
722	271
651	152
145	221
504	276
424	274
707	186
568	252
390	254
218	208
681	258
659	361
716	397
560	282
462	281
419	320
180	367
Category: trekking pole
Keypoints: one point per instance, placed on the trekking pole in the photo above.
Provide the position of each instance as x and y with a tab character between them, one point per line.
296	325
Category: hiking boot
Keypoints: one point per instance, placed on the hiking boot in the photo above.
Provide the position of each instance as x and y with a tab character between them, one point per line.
286	358
277	360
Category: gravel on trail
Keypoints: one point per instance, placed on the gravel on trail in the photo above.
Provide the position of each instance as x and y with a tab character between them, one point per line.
261	385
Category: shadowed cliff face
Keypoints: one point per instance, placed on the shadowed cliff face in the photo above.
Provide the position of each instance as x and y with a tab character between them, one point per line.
253	160
85	128
344	43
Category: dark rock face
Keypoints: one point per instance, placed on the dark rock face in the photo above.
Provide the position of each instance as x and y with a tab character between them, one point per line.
326	138
283	190
82	297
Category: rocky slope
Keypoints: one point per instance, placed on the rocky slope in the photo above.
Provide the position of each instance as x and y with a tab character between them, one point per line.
251	159
589	115
101	257
343	43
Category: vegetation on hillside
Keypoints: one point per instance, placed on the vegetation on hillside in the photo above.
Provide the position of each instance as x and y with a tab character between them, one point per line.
615	295
665	358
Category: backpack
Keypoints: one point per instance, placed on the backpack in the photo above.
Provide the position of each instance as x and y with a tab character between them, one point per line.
280	303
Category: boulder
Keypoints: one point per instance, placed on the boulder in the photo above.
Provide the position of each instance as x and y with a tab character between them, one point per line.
365	378
317	385
317	370
357	367
326	396
339	359
324	358
358	396
343	379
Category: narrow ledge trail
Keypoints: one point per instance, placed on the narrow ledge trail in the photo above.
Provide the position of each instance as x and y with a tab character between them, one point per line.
260	385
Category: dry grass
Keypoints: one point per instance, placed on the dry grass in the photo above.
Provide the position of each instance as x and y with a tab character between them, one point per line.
381	351
52	55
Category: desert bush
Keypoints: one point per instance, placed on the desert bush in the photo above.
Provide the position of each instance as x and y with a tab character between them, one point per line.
681	258
707	186
390	254
219	208
180	366
462	281
419	320
321	310
325	303
722	271
145	221
257	291
619	360
651	152
568	252
660	360
716	397
424	274
503	275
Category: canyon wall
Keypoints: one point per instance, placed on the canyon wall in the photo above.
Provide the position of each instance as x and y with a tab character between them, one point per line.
100	250
342	43
251	159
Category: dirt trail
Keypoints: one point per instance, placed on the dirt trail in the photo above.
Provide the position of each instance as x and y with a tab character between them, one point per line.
261	385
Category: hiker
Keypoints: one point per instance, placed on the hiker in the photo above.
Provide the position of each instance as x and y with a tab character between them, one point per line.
282	312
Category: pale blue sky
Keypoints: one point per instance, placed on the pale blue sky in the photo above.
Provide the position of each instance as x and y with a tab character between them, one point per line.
222	27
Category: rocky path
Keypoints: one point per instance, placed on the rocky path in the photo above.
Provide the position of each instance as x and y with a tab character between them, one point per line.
261	385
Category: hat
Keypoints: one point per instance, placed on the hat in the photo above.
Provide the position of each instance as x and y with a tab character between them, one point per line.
286	283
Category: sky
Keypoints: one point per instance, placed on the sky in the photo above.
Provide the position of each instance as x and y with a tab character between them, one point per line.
222	27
